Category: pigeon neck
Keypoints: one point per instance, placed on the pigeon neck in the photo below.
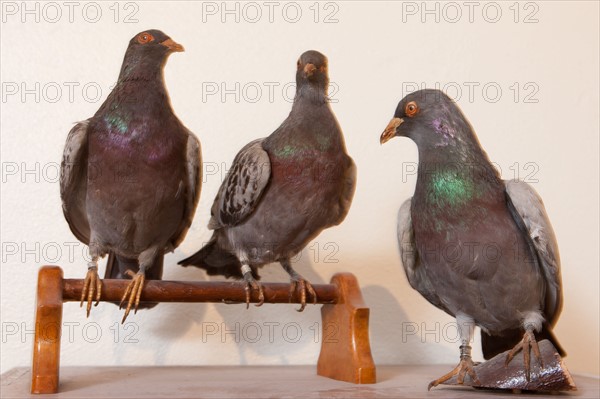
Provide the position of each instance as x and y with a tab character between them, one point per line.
454	176
308	129
456	153
141	69
307	94
133	102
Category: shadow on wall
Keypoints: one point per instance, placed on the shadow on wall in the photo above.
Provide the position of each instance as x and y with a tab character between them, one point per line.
177	319
396	338
277	334
257	332
167	321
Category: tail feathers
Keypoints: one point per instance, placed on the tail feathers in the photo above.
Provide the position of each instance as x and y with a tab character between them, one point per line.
493	345
217	261
117	267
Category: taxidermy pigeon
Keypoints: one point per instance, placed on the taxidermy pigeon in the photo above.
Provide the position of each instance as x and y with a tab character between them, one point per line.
130	178
282	190
477	247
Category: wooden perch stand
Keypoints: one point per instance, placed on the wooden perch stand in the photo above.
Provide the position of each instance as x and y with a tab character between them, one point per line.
345	355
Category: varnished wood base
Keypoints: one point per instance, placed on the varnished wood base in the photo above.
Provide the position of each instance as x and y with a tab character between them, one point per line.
552	377
347	357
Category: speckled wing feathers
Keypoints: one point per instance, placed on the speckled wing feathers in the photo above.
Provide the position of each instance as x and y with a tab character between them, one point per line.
243	187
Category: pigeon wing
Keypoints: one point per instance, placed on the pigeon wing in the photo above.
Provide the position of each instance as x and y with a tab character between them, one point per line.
415	272
243	187
193	185
73	181
348	191
528	210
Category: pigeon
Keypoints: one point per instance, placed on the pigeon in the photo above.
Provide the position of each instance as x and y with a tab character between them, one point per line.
130	175
477	247
282	190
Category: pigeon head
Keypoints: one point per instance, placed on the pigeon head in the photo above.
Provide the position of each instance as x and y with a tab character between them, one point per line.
312	70
431	119
147	54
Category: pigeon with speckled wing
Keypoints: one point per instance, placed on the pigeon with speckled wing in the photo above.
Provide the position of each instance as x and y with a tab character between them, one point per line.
130	178
283	190
477	247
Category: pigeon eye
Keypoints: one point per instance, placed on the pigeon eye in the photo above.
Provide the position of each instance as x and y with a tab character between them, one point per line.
144	38
411	109
298	64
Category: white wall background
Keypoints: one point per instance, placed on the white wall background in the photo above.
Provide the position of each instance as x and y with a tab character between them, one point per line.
374	50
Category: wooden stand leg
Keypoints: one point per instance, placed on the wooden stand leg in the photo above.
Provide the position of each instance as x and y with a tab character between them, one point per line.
345	348
48	322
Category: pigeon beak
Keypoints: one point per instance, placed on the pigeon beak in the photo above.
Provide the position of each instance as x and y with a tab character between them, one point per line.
390	130
309	69
172	46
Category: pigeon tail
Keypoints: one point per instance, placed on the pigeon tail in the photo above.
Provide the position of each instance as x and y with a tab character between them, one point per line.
492	345
117	267
217	261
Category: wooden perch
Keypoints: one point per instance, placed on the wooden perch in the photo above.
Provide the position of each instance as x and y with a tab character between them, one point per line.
198	291
493	374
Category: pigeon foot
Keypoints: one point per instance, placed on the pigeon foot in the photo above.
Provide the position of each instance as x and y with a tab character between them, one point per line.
251	284
133	291
527	343
464	367
92	284
299	282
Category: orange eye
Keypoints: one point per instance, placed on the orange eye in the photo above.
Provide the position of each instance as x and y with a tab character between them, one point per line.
411	109
298	64
144	38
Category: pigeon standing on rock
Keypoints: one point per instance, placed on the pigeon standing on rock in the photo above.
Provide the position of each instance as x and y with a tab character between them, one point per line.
477	247
282	190
130	178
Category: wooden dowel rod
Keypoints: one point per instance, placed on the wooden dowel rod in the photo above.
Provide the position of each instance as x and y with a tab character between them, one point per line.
199	291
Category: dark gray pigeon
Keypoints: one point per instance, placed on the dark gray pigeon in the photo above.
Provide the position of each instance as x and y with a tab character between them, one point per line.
477	247
130	179
283	190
